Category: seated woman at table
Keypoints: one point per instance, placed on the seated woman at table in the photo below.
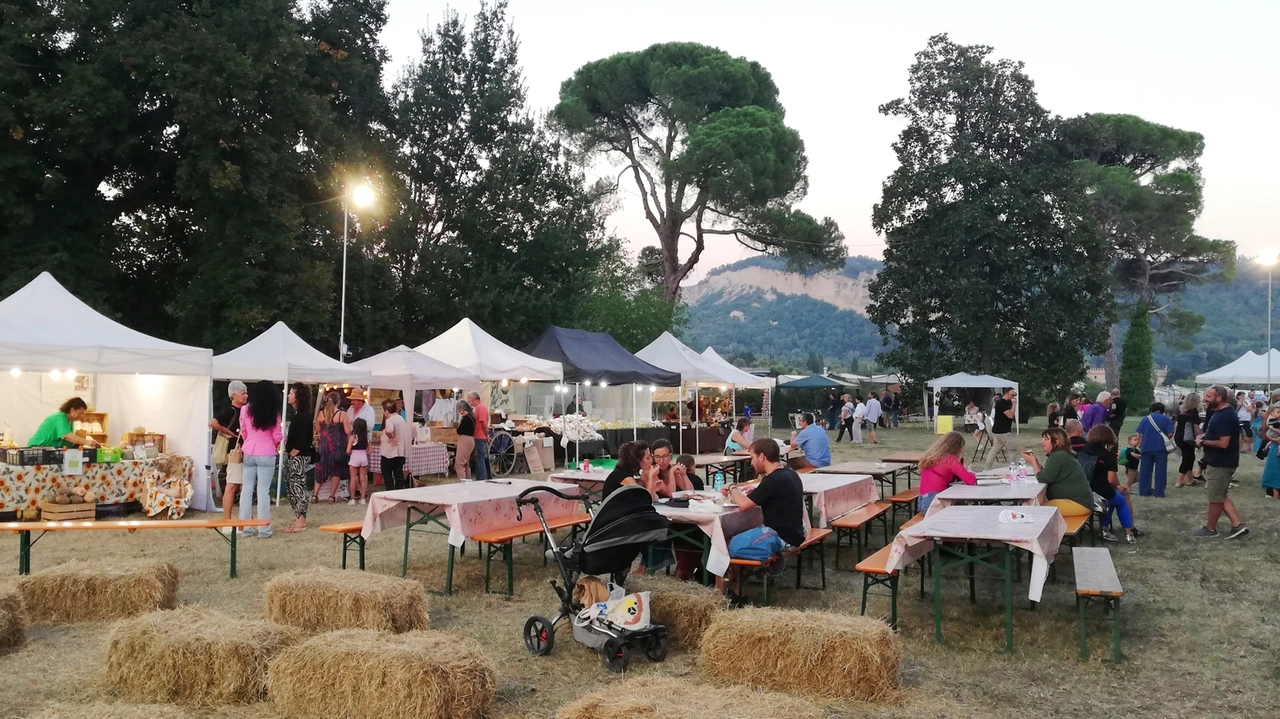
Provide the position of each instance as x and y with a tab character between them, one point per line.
738	441
58	429
1098	459
635	466
941	464
466	441
676	476
1068	488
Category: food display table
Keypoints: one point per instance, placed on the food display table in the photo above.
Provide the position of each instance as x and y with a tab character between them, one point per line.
22	487
428	458
615	438
1031	494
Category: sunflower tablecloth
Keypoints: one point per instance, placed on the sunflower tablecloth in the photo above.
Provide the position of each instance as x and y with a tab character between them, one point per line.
23	487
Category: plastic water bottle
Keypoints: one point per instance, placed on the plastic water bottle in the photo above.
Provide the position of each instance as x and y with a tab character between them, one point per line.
719	481
1022	468
1013	470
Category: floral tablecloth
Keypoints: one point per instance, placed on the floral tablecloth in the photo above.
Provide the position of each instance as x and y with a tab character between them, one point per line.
470	508
835	495
23	487
429	458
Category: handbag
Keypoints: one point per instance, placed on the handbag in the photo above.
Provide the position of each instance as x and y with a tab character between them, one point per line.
1169	446
221	446
235	465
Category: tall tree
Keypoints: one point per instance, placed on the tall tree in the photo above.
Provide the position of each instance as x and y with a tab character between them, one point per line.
992	260
703	138
1137	375
1146	193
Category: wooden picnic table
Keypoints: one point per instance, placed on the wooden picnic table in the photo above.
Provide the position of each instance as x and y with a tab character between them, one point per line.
1023	493
882	472
835	495
723	462
903	457
590	482
952	535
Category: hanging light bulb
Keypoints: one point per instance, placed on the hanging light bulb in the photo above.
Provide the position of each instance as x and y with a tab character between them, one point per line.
604	384
71	374
15	372
652	388
587	383
524	380
505	383
55	375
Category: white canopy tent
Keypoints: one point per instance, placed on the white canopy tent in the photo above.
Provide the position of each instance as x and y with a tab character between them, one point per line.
137	379
409	370
962	380
740	379
673	355
466	346
1250	368
280	355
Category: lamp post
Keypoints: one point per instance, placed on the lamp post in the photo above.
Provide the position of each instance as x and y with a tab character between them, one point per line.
361	196
1268	260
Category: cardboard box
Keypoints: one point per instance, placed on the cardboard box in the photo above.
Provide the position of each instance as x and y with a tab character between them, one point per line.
543	448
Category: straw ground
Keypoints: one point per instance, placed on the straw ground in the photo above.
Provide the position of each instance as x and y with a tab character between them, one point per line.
102	710
667	698
194	656
13	621
1201	619
684	608
366	674
322	600
84	591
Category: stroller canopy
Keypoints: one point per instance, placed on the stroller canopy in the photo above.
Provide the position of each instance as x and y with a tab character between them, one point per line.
625	523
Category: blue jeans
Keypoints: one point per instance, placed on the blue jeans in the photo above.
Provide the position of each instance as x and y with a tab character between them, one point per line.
831	419
925	501
482	459
1157	460
1121	506
258	474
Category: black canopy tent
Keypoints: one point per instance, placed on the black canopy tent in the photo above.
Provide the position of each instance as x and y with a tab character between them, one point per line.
812	382
597	358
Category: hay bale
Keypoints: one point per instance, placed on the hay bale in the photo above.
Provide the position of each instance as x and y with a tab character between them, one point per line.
820	654
13	621
324	600
666	698
110	711
193	656
365	674
81	591
684	608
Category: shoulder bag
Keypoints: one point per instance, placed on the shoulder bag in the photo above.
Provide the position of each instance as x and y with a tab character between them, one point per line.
1169	446
235	465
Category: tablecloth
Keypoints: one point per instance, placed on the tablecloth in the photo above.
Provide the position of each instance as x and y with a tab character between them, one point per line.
1030	494
469	508
1041	536
114	482
835	495
590	481
429	458
720	527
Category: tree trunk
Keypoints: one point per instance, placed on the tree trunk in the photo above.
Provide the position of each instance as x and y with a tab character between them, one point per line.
1111	360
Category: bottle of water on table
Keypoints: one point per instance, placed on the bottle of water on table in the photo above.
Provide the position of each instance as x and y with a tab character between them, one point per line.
1022	468
719	481
1013	470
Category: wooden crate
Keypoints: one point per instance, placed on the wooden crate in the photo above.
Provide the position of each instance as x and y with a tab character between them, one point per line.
444	435
101	418
154	439
54	512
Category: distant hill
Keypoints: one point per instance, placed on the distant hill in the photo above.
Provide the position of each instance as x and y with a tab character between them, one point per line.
758	306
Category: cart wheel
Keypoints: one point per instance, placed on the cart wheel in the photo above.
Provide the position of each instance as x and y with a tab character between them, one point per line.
539	636
616	655
656	651
502	453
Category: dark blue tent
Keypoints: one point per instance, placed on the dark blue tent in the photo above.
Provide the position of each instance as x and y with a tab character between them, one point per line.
596	357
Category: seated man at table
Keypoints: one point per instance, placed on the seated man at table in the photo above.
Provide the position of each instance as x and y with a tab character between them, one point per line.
813	440
780	497
1075	434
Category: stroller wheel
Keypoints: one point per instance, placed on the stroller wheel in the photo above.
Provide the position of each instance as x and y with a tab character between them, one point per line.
616	655
656	650
539	636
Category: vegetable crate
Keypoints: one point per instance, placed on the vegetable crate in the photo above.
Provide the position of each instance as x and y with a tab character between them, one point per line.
53	512
154	439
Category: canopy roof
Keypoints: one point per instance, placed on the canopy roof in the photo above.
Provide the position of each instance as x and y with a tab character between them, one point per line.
962	379
671	354
597	357
813	381
467	346
278	354
44	327
739	378
1249	368
404	368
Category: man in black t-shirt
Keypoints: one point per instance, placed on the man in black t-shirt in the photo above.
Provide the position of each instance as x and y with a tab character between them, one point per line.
1002	440
1221	444
780	497
226	422
1115	416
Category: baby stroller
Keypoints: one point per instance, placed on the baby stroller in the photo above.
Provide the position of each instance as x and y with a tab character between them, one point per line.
624	525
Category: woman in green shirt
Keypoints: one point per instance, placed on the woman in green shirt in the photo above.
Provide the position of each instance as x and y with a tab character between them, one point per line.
1068	488
58	429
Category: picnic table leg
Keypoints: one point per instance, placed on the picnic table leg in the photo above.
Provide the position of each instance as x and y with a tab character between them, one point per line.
1008	599
404	565
970	570
234	532
937	592
360	544
448	574
509	557
1115	630
24	552
346	544
1084	639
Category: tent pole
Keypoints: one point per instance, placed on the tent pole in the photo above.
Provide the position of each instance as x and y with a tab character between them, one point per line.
577	449
635	432
284	412
928	416
679	423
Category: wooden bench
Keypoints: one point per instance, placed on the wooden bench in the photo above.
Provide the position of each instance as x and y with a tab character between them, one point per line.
26	542
1075	525
500	542
918	518
858	523
875	574
1096	579
812	541
906	500
350	532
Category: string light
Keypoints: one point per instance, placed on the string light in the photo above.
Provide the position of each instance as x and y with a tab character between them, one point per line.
15	372
55	375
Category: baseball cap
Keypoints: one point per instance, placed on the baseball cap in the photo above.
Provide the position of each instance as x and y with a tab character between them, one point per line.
235	387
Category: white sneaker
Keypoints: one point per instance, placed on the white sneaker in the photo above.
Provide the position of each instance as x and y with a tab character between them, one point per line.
227	530
362	500
351	502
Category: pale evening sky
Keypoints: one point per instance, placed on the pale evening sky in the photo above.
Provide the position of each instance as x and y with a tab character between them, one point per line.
1208	67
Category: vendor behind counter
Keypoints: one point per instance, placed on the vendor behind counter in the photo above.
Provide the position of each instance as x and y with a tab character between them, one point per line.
58	429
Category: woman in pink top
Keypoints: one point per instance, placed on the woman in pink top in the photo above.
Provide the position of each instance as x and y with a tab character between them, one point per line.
260	436
941	464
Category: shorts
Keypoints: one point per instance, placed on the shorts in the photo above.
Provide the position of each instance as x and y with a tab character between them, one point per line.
1217	482
359	458
1247	428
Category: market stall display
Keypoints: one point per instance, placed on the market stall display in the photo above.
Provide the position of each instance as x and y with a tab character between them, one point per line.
25	487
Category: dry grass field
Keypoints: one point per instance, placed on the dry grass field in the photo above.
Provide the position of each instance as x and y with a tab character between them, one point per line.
1201	636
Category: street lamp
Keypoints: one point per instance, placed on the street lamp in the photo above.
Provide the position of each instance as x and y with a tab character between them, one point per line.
360	195
1268	260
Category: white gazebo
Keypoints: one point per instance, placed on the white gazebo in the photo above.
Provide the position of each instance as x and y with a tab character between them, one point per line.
468	347
409	370
1250	368
741	379
139	380
962	380
673	355
280	355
